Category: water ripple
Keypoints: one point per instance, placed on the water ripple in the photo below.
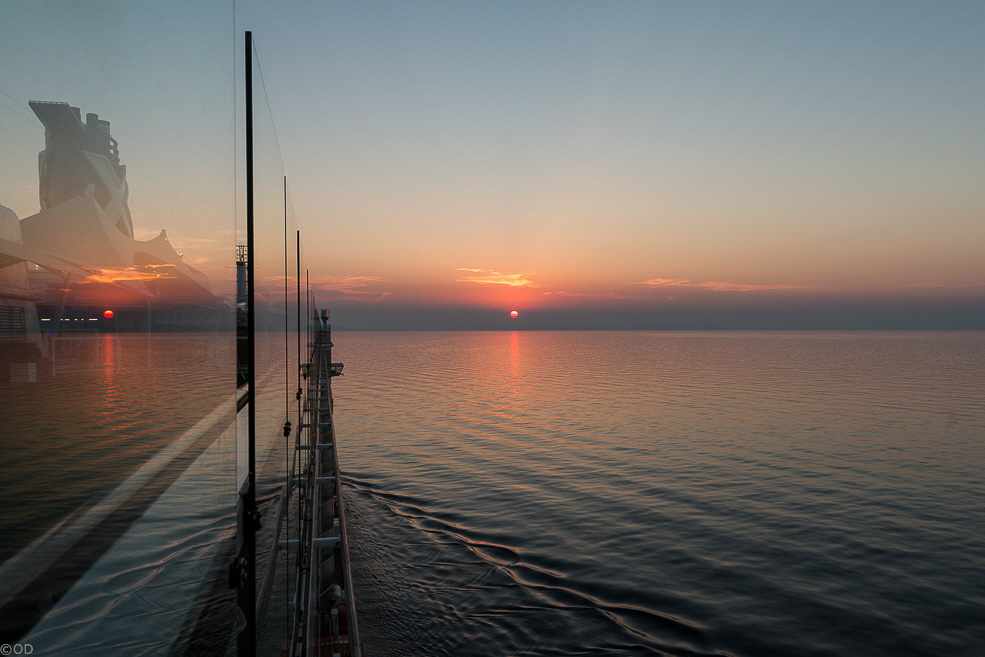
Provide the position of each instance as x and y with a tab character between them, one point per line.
755	495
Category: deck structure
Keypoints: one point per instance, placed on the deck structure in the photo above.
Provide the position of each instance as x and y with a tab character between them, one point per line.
325	617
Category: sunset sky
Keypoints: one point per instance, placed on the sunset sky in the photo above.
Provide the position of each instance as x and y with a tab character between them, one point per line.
616	164
661	162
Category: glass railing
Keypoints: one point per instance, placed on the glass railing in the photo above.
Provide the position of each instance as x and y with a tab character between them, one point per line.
120	171
151	269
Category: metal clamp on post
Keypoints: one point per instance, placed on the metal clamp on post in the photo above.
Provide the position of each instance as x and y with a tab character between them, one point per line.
237	573
253	517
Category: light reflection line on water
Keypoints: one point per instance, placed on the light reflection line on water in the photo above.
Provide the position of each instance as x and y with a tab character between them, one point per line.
19	570
160	571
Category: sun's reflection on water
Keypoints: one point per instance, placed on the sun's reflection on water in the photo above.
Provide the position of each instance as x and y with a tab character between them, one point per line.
110	363
514	353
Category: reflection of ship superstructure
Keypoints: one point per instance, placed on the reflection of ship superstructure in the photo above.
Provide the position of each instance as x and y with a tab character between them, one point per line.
82	241
20	335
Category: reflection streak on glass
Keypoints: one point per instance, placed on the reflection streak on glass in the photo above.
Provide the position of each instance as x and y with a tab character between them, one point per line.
99	396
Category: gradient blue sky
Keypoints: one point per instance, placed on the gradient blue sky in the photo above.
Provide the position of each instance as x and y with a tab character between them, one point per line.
162	74
593	164
644	159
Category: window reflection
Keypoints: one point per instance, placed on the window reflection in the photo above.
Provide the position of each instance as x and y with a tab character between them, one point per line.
117	318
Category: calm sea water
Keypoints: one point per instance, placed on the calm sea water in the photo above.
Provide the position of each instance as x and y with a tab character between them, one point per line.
537	493
113	402
117	486
655	493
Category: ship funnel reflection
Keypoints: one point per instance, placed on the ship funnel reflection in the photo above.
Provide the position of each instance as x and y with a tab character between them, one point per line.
62	266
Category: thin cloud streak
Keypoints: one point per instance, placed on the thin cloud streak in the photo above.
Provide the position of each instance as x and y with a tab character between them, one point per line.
489	277
717	286
933	285
105	275
351	286
592	295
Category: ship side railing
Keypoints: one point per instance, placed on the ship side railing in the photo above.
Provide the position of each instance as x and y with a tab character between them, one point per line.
324	611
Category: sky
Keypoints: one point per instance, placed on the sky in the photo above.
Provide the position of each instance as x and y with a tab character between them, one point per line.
162	75
648	164
610	164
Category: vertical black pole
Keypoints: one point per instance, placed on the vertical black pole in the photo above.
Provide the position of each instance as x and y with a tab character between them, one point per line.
297	262
308	296
287	316
249	499
287	330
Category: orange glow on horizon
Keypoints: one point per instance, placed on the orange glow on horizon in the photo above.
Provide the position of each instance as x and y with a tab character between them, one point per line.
496	291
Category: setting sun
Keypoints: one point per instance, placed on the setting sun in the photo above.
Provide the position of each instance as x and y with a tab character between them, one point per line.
514	314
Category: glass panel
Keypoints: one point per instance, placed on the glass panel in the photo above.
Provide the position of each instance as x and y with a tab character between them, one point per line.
275	267
277	337
117	322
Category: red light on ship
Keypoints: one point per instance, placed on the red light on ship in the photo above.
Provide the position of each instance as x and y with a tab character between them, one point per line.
108	314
